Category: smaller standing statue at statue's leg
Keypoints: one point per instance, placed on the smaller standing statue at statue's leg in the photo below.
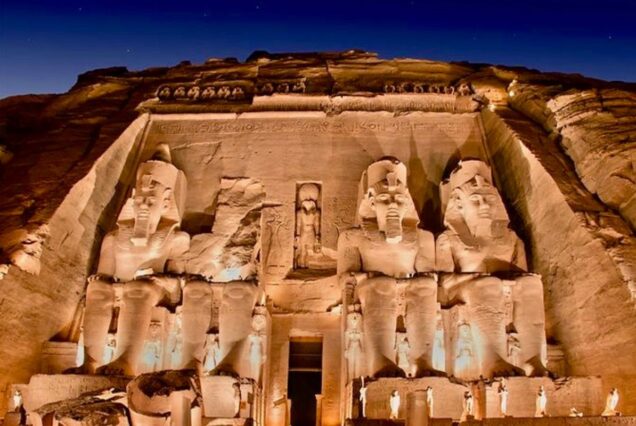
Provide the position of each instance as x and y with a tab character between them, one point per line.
476	248
258	346
353	342
402	349
212	353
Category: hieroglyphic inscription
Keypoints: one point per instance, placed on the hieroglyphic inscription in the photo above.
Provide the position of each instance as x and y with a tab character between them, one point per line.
307	125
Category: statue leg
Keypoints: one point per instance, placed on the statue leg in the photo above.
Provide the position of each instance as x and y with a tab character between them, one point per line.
379	318
421	324
529	321
138	300
196	316
100	297
485	301
235	325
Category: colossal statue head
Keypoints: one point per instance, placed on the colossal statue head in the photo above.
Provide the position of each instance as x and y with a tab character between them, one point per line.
159	193
387	199
471	199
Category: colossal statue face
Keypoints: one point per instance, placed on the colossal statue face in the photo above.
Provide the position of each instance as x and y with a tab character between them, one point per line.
480	203
151	200
473	199
387	198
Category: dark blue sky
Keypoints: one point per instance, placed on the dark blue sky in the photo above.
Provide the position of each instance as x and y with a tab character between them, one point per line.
44	45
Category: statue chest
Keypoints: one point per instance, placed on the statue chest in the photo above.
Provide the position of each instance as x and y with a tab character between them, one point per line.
130	259
487	257
394	260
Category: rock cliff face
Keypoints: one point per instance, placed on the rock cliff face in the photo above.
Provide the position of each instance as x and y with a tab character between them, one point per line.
563	148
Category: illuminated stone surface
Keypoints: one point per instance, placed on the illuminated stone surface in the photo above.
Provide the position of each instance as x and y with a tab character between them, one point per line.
268	173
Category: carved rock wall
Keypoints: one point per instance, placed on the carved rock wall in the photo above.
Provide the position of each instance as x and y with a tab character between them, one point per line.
39	308
564	160
584	251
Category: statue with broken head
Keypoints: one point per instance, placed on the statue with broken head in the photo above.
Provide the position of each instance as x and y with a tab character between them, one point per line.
137	253
385	265
480	251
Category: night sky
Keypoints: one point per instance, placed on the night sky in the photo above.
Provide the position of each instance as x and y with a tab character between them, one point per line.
44	45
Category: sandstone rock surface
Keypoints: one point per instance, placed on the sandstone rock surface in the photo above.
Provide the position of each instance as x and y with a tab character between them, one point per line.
562	148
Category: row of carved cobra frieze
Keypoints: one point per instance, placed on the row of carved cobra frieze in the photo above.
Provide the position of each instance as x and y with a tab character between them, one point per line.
239	91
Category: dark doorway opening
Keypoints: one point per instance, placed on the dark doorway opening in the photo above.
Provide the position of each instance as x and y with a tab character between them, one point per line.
305	379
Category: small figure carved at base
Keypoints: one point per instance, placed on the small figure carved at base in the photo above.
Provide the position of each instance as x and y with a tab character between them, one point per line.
394	403
17	401
541	402
363	398
502	391
429	400
575	413
611	403
468	406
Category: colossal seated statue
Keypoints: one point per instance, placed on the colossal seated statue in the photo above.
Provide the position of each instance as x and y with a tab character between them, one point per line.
385	265
136	253
489	274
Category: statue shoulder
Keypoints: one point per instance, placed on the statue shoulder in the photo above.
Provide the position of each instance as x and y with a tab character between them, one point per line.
425	238
445	236
425	260
182	236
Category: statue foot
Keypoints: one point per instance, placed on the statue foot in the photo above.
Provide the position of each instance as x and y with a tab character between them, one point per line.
430	372
503	368
390	371
119	367
537	369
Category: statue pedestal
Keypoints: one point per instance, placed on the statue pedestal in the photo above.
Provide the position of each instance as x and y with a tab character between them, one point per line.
230	399
583	393
58	356
448	396
43	389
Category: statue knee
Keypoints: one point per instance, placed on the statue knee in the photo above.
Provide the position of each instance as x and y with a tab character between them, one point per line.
530	286
422	287
378	291
240	290
196	291
484	290
142	292
99	291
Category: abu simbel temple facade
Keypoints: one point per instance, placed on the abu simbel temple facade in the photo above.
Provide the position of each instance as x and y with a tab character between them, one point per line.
319	239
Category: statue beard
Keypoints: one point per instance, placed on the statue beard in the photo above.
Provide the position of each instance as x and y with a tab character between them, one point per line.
141	230
489	228
393	229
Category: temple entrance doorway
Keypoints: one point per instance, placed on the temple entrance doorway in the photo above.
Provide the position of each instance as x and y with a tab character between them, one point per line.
305	379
